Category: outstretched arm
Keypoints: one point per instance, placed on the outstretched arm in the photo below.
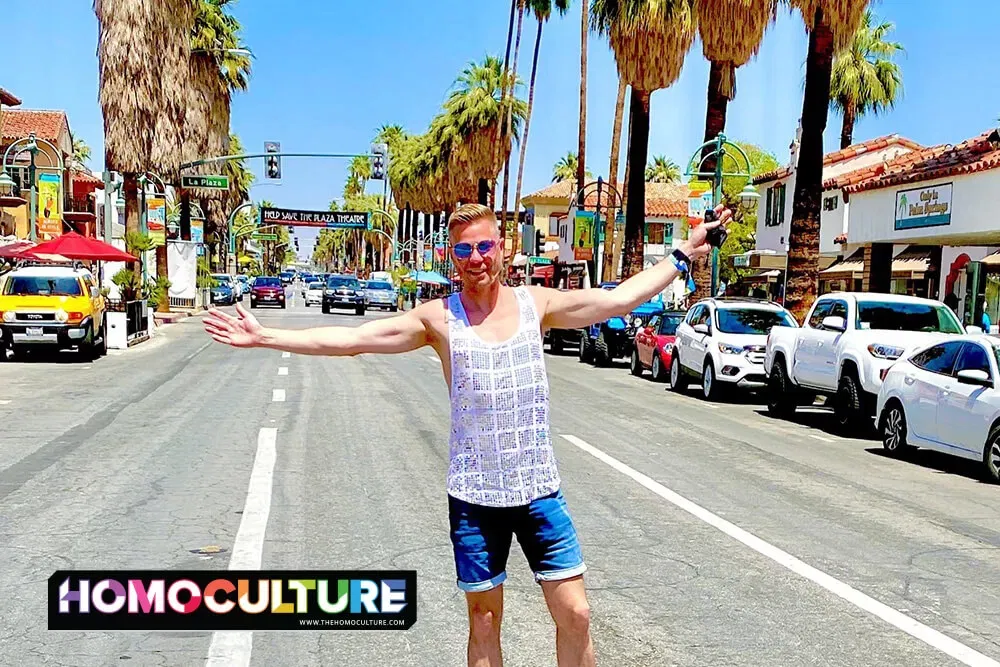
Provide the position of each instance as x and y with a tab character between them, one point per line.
389	336
580	308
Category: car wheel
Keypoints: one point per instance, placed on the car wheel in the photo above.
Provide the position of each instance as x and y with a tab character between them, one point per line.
711	390
253	304
102	349
359	311
892	429
326	308
586	350
393	308
282	305
678	381
602	356
635	366
20	352
307	304
657	371
991	456
848	408
780	402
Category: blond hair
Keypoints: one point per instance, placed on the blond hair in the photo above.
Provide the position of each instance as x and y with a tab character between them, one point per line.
467	213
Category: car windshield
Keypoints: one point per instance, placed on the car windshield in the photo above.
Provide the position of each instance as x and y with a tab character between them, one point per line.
906	316
221	280
43	286
756	321
267	282
315	285
342	281
668	326
381	286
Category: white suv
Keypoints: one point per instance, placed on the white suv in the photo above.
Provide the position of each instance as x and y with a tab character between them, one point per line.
722	343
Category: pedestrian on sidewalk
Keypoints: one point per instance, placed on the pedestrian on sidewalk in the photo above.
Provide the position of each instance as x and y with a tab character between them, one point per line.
502	478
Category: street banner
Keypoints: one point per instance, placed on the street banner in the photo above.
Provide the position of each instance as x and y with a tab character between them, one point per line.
699	200
583	235
428	259
49	222
323	219
156	220
198	231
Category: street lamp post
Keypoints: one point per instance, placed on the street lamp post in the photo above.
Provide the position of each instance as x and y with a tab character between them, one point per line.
749	195
31	146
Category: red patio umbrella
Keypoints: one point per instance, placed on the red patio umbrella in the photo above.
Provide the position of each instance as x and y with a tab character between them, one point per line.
14	250
75	246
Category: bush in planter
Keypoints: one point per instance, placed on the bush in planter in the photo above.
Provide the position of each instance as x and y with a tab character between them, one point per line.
158	293
129	284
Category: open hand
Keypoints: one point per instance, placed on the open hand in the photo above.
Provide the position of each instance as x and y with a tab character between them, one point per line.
697	239
241	331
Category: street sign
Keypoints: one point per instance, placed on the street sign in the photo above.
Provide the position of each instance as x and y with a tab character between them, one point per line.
264	237
324	219
205	182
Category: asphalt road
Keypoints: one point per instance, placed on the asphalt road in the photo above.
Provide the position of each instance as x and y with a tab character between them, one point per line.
714	534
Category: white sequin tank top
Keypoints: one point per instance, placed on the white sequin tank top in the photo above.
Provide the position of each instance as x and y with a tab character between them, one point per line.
501	451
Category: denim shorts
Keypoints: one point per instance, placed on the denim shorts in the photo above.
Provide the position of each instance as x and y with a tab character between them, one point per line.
482	536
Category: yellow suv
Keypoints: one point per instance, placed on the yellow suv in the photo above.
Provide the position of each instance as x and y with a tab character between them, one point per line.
52	307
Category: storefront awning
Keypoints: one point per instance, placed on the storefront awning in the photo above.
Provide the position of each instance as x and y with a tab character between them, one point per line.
992	260
913	260
853	264
764	276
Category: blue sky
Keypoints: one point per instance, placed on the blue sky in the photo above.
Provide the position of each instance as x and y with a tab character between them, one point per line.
327	74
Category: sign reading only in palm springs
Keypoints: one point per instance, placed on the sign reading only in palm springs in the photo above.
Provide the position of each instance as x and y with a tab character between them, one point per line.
205	182
325	219
923	207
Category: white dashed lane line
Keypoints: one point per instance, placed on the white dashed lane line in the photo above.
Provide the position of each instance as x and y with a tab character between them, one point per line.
283	370
286	355
278	396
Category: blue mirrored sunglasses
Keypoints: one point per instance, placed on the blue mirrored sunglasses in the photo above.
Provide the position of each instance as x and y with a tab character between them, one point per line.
464	250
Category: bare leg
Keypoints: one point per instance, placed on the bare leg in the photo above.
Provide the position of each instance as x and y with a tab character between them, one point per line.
485	613
568	605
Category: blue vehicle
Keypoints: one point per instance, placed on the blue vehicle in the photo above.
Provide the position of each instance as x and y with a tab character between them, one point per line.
603	342
223	291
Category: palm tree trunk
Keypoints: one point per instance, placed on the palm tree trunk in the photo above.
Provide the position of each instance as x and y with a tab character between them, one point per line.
620	238
527	124
130	190
847	129
609	270
485	192
803	238
508	134
581	151
635	214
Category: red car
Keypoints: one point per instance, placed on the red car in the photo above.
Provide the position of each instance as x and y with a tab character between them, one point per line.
653	345
267	290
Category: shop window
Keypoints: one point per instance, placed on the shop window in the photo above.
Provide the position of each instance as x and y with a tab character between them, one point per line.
831	203
769	212
20	177
553	225
655	233
774	213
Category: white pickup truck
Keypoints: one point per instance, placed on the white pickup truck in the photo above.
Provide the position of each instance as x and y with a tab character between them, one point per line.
848	343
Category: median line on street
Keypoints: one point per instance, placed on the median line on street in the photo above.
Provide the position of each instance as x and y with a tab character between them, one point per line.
233	649
283	370
938	640
278	396
5	402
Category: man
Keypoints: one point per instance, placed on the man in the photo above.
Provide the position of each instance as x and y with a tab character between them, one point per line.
502	478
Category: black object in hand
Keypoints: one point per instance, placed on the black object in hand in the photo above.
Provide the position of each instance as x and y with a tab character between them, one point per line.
717	236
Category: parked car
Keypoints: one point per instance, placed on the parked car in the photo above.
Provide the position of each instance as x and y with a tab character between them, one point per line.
344	292
945	397
603	342
654	345
381	295
267	290
54	307
234	285
223	290
721	344
314	293
846	347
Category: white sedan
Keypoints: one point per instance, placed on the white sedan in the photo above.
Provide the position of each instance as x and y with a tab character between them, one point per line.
314	294
945	397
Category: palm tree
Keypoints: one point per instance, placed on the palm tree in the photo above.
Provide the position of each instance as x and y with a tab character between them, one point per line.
610	270
650	40
358	173
81	154
511	79
542	10
662	170
482	186
566	168
581	150
865	78
831	25
140	46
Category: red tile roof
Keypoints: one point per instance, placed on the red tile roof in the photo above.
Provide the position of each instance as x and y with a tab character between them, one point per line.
6	97
19	123
843	154
973	155
86	178
663	200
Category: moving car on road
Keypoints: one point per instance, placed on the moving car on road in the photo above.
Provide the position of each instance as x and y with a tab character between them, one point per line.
267	290
54	307
945	397
231	282
654	345
846	347
344	292
223	290
314	293
721	343
382	295
603	342
287	277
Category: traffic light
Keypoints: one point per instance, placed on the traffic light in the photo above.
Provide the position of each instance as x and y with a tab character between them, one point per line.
539	242
272	162
379	161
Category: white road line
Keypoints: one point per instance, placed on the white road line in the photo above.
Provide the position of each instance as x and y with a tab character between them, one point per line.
283	370
957	650
820	438
278	396
233	649
286	355
4	402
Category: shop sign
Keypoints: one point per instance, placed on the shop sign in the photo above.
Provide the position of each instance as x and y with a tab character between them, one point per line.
49	222
699	199
198	231
741	261
923	207
156	220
